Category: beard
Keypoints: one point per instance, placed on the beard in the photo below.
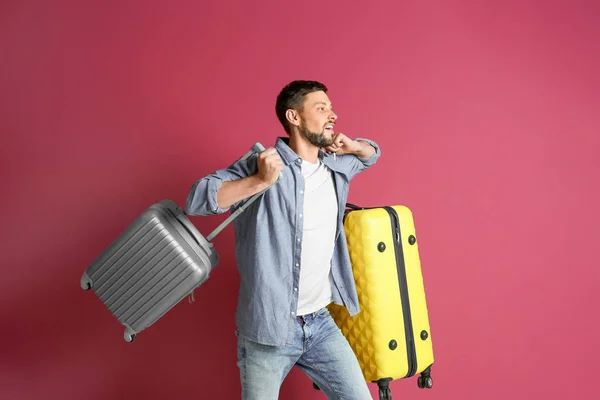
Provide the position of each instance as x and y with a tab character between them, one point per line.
316	139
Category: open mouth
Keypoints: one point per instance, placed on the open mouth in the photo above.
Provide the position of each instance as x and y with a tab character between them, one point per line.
329	128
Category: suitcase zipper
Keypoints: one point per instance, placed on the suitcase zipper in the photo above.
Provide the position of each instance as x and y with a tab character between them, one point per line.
402	280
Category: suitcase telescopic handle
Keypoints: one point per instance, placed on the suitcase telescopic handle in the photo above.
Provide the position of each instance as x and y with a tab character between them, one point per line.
256	148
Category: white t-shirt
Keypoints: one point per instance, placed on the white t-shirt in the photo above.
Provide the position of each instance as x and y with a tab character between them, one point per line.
320	220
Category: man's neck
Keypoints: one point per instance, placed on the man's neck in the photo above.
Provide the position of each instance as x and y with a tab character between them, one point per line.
303	148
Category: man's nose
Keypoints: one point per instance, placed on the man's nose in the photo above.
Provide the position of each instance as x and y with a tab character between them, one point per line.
332	116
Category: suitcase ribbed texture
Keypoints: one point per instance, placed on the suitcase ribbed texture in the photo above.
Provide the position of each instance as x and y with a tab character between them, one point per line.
147	270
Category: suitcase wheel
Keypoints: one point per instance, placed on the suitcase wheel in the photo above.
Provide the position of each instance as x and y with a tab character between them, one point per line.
385	394
130	338
425	382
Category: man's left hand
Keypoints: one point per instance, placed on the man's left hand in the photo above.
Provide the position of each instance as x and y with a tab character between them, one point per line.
342	144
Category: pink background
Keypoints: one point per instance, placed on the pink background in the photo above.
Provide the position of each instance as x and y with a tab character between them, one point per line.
487	113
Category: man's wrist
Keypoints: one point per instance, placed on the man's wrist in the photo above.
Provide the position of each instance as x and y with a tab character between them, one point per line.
258	184
363	149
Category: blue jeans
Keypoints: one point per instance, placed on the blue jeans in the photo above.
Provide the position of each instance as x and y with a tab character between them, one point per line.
319	349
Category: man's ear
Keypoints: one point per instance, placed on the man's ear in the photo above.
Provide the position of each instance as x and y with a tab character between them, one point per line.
292	117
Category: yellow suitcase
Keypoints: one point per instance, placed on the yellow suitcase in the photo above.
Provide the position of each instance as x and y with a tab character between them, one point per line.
390	335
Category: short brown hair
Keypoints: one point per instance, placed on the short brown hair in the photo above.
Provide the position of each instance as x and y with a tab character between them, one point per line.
292	97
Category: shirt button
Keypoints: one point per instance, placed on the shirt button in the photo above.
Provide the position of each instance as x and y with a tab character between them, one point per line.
295	289
299	160
300	215
297	265
298	239
293	313
302	191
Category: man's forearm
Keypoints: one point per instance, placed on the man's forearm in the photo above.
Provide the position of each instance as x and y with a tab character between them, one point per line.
364	150
231	192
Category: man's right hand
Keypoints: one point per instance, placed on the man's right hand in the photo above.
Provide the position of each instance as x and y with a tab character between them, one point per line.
270	166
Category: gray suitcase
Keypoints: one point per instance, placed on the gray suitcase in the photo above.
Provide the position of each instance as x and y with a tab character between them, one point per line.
155	263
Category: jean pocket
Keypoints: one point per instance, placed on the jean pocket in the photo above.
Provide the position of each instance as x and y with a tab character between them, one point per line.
323	312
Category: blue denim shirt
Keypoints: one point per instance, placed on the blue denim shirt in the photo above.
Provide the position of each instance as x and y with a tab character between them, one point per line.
268	241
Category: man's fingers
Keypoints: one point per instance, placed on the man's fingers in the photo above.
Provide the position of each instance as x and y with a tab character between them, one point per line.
339	138
268	152
274	161
337	141
270	155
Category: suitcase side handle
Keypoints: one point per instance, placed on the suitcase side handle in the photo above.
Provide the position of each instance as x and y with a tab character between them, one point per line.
354	207
256	148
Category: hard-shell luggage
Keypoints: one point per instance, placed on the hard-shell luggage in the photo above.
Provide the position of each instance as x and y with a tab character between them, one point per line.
155	262
390	335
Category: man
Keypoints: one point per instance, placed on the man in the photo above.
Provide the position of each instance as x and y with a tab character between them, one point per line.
291	247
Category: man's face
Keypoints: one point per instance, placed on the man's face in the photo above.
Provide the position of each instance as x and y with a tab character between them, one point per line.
317	119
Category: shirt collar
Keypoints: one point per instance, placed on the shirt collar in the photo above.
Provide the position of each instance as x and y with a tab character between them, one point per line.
289	156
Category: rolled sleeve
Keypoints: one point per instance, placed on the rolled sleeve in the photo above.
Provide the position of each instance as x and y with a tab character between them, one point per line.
370	160
211	194
351	164
202	198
